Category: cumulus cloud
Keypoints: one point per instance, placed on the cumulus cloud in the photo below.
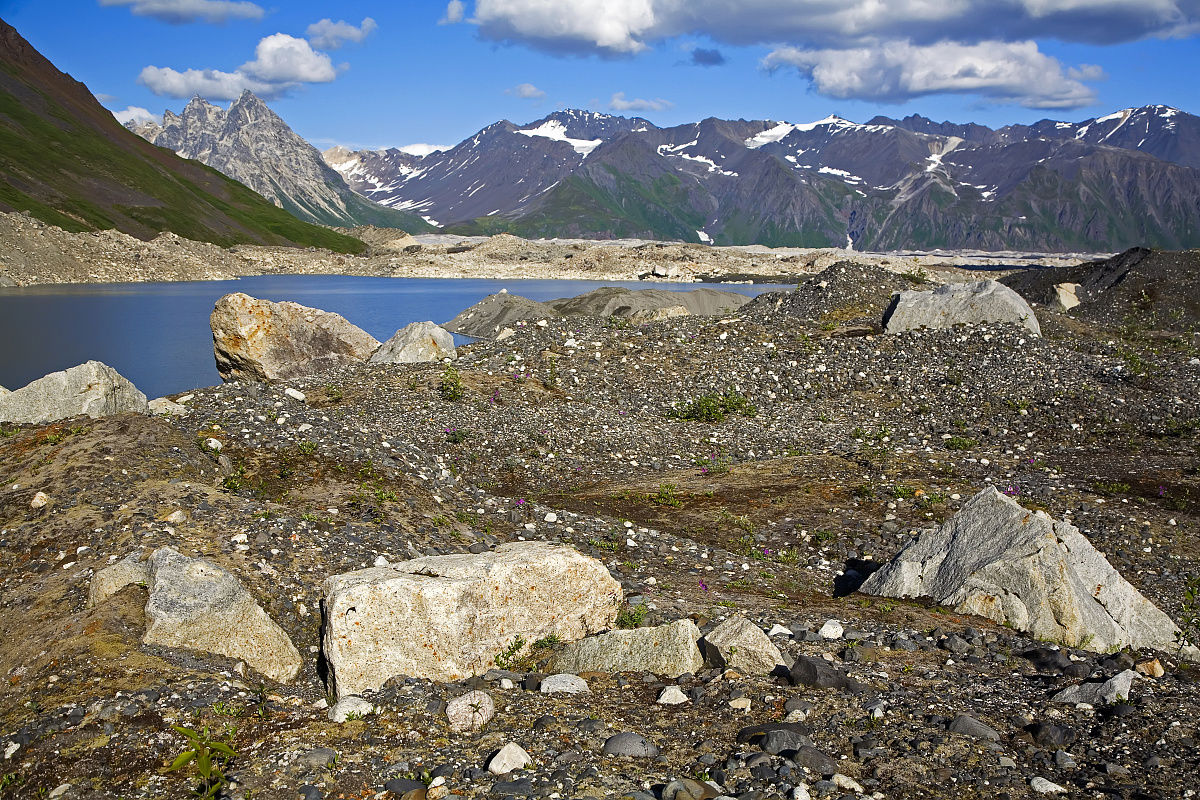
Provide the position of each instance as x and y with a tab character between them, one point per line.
629	26
329	35
526	91
455	12
283	59
619	103
181	11
705	57
892	72
281	63
209	83
136	114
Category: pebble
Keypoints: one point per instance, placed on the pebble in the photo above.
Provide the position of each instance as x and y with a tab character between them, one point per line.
511	756
630	745
470	712
1043	786
832	629
563	683
351	706
671	696
39	501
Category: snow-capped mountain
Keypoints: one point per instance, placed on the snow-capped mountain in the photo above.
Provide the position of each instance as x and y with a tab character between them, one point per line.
251	144
1101	184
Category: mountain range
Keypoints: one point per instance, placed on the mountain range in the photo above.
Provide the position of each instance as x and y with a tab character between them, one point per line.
65	160
1129	178
251	144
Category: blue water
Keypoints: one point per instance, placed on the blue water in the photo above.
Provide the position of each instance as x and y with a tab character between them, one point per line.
157	334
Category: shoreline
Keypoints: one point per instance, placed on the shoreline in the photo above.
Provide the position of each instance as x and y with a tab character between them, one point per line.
36	254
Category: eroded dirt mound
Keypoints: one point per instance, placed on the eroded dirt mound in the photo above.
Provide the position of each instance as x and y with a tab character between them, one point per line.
1157	289
845	293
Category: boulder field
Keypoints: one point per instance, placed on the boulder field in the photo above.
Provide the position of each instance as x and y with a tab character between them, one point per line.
776	553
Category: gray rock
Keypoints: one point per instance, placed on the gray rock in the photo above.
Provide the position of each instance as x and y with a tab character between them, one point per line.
563	683
669	650
448	617
495	312
739	644
511	756
1000	561
350	708
318	757
815	761
112	579
1043	786
1099	693
196	605
470	711
258	340
966	725
416	343
167	408
630	745
820	674
671	696
954	303
92	388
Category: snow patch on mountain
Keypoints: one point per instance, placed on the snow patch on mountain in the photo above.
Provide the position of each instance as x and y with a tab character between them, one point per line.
553	129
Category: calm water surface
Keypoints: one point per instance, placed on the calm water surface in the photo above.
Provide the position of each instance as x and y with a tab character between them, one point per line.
157	334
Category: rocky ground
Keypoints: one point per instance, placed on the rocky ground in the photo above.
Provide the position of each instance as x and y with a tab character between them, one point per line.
756	464
36	253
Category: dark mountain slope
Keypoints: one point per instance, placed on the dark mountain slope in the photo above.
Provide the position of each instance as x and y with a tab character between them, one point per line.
67	161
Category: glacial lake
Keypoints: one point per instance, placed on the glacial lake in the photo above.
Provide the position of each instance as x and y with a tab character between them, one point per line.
157	334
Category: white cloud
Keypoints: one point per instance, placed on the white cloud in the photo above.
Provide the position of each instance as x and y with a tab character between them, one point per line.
281	63
329	35
1009	72
280	58
136	114
455	12
619	103
180	11
421	150
526	91
613	26
212	84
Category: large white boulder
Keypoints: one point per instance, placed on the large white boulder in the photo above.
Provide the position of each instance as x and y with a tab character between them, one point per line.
739	644
416	343
197	605
448	617
92	388
259	340
1001	561
669	650
954	303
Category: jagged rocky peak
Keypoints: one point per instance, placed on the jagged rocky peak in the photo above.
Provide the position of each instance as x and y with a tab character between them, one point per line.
579	124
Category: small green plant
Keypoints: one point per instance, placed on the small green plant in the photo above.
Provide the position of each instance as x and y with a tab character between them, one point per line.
960	443
235	481
9	779
386	496
632	617
450	386
209	754
224	708
457	435
333	393
667	495
547	642
307	448
714	407
510	657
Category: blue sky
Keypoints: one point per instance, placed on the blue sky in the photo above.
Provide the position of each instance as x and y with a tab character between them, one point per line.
379	74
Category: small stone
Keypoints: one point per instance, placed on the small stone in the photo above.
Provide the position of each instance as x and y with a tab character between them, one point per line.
319	757
511	756
213	444
563	683
1152	668
671	696
832	629
779	630
966	725
1043	786
40	500
470	712
846	783
550	517
740	704
295	394
351	708
630	745
1115	688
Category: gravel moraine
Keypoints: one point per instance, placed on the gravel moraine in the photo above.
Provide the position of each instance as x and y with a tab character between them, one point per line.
760	464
